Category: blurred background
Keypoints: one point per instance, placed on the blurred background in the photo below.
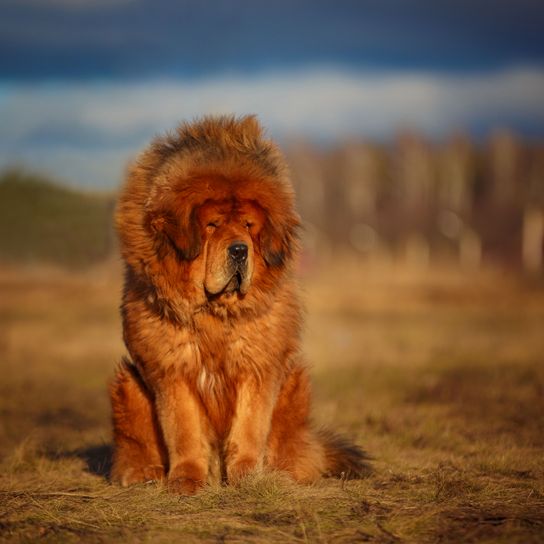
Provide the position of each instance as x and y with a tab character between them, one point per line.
415	134
414	129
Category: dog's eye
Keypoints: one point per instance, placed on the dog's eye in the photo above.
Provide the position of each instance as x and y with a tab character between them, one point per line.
248	225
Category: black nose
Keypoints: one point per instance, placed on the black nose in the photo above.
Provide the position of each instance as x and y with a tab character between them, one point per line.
238	252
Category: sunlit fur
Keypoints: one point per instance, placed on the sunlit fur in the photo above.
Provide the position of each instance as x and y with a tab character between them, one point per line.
215	386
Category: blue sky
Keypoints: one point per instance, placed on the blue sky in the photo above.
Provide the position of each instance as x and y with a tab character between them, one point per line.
85	83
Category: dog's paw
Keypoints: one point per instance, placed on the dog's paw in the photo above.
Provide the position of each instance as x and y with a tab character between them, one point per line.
239	468
186	479
184	486
137	475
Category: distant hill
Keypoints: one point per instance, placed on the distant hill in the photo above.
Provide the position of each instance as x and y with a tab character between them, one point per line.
41	221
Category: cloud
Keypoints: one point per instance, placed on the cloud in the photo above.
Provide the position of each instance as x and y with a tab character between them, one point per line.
67	4
60	125
138	38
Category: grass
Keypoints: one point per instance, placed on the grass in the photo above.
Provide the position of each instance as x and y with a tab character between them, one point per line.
439	376
44	222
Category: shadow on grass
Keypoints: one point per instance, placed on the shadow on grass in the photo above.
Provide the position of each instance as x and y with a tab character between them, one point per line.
494	400
97	458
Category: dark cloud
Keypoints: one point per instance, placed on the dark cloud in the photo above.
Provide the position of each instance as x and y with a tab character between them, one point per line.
124	38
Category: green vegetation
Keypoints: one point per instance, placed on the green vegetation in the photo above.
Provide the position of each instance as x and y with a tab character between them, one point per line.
43	222
439	378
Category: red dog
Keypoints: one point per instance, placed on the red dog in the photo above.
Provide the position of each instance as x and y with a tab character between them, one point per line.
215	387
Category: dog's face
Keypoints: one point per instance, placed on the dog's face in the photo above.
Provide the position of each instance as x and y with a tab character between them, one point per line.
230	235
230	232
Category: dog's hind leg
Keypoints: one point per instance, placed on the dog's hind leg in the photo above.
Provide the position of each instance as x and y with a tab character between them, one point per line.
296	448
139	453
292	446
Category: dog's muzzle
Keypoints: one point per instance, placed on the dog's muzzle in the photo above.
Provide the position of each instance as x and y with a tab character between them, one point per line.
238	253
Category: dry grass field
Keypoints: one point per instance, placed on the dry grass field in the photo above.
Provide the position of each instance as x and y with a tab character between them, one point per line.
439	376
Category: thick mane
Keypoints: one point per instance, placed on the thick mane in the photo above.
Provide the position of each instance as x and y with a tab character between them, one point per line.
176	168
218	139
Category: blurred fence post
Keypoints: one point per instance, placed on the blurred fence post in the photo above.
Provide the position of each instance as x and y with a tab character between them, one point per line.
361	181
504	157
415	172
470	250
455	176
533	240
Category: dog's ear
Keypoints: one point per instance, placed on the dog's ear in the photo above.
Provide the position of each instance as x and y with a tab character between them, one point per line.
278	240
178	232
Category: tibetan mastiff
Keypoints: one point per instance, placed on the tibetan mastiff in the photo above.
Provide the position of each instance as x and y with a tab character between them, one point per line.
214	386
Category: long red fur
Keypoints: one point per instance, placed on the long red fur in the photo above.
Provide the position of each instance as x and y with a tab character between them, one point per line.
215	386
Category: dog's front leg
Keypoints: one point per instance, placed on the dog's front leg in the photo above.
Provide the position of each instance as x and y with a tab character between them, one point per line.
181	419
246	443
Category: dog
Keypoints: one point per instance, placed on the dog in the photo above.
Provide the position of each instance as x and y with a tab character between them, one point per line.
215	386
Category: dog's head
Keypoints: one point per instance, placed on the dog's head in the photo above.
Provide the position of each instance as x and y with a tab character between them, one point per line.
229	232
208	214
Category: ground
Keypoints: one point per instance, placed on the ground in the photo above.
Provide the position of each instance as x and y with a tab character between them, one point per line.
438	375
